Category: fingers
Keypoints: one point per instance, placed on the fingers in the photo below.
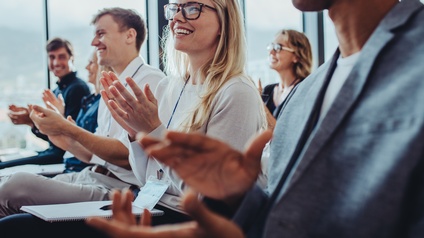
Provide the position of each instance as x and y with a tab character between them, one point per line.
61	99
149	94
256	146
39	109
113	107
146	218
194	208
179	145
15	108
128	98
260	86
138	93
123	98
127	202
107	80
105	96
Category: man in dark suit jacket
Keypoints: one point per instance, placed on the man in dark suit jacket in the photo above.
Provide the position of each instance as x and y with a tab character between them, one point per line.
347	156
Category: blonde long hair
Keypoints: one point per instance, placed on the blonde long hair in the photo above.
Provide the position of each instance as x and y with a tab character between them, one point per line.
228	61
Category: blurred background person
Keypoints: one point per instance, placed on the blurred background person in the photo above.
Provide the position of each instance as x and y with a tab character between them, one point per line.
87	117
72	88
290	55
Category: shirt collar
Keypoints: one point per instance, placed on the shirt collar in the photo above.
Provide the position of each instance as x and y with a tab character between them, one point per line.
131	68
66	80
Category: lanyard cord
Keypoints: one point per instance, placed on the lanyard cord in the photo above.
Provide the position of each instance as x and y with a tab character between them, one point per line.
132	76
176	104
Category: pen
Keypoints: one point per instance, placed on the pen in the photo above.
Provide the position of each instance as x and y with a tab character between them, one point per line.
106	207
159	174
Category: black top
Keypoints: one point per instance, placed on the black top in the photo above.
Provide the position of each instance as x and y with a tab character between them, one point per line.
267	98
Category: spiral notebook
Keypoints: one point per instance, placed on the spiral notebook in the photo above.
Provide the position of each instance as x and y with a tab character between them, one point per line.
78	211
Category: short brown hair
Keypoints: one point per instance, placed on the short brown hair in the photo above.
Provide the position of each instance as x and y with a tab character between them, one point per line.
57	43
126	19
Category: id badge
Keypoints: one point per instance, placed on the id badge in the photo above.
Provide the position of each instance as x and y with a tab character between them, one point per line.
151	193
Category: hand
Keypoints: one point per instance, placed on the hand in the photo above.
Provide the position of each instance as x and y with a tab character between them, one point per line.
270	119
20	115
48	121
107	80
260	89
207	165
206	224
52	102
115	116
139	112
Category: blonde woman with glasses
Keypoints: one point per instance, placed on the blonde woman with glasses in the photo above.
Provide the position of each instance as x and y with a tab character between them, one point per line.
206	91
290	55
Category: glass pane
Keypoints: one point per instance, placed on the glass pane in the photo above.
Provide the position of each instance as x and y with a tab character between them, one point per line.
330	39
72	21
263	20
22	67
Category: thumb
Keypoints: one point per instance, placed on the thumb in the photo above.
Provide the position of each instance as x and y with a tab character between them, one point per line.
60	97
199	212
253	153
195	208
69	118
39	109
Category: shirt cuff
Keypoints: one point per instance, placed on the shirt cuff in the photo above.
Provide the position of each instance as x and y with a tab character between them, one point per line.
159	132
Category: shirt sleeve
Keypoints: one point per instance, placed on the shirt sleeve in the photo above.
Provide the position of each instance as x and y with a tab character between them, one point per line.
235	118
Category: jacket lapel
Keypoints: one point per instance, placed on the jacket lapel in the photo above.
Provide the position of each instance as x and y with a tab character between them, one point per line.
353	86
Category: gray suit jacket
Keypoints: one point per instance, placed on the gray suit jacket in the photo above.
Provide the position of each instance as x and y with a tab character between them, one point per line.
361	172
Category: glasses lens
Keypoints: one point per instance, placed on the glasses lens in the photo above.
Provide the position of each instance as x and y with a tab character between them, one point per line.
270	47
170	11
192	11
276	47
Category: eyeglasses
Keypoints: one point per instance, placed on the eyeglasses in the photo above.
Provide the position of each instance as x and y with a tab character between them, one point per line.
278	47
190	10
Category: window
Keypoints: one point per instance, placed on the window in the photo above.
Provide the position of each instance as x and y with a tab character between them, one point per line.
263	20
22	66
330	39
72	21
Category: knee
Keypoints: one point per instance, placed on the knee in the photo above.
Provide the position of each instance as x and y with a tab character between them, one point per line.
16	189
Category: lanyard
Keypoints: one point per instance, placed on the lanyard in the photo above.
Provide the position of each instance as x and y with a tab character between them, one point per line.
176	104
132	76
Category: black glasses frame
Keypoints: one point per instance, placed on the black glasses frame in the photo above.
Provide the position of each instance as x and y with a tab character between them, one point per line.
182	6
